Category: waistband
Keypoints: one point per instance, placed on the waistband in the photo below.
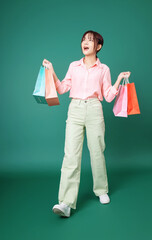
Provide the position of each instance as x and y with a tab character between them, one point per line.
85	101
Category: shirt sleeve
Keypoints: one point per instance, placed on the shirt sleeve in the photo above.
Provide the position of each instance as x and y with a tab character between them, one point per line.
64	85
109	91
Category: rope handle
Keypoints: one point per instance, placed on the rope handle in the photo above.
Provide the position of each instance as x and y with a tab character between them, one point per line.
125	80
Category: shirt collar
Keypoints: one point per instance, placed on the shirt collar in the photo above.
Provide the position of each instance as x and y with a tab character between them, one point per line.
80	62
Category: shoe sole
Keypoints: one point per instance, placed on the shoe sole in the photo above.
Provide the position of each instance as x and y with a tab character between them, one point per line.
59	212
105	202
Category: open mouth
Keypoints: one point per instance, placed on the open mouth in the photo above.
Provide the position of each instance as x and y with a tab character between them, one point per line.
86	48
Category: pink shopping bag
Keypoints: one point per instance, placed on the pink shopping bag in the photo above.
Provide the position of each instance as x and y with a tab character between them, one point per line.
120	105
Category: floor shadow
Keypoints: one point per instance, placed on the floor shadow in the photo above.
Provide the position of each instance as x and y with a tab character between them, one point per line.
119	178
45	186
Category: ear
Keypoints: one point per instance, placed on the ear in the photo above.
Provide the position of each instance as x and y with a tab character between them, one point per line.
99	47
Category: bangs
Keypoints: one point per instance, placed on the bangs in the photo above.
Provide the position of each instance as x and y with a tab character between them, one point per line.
90	35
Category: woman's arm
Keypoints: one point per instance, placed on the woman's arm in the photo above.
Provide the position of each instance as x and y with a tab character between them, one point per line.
109	90
61	86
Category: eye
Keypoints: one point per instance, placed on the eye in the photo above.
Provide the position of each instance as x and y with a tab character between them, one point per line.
90	39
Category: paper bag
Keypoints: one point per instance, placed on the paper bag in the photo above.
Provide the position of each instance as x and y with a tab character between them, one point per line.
50	89
39	91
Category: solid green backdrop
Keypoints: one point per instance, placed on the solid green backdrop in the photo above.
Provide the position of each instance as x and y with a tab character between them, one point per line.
32	134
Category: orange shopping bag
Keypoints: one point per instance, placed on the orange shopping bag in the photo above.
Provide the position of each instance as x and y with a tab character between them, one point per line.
133	106
50	89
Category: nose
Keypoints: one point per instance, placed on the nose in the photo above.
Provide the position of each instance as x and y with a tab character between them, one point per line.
86	41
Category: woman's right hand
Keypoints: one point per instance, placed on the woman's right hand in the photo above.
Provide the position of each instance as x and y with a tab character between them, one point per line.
48	65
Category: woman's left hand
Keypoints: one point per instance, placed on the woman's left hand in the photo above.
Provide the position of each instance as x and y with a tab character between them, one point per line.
123	75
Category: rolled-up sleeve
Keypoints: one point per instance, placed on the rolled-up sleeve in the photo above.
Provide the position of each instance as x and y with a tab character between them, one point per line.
109	91
64	85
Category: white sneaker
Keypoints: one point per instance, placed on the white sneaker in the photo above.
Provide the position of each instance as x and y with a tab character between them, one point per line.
104	198
62	210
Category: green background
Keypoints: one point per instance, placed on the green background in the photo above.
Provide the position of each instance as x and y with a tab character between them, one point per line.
32	134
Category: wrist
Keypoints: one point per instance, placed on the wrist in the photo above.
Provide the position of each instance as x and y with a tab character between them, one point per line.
119	79
52	70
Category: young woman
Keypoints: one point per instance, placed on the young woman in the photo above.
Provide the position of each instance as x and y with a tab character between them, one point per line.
89	81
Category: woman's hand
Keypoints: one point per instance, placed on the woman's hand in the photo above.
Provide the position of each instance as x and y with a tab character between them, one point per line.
123	75
48	65
120	77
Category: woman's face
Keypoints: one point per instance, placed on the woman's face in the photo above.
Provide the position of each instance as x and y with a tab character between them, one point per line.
87	45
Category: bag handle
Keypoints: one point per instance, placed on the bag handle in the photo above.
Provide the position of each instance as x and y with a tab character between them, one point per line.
125	80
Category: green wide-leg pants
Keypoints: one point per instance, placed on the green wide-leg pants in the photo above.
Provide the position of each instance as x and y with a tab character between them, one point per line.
83	115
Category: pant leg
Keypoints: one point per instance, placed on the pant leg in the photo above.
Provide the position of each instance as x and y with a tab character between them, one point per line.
71	166
95	132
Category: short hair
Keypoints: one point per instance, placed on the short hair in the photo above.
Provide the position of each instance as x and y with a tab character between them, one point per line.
98	39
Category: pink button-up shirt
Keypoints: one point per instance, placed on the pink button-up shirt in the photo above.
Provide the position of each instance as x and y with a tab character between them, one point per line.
84	83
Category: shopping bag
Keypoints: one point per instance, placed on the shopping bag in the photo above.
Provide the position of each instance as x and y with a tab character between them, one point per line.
133	106
120	105
39	91
50	89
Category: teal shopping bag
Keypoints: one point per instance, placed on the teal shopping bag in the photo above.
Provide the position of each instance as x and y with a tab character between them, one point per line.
39	91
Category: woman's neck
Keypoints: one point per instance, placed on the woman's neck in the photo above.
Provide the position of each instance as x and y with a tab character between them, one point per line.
90	60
